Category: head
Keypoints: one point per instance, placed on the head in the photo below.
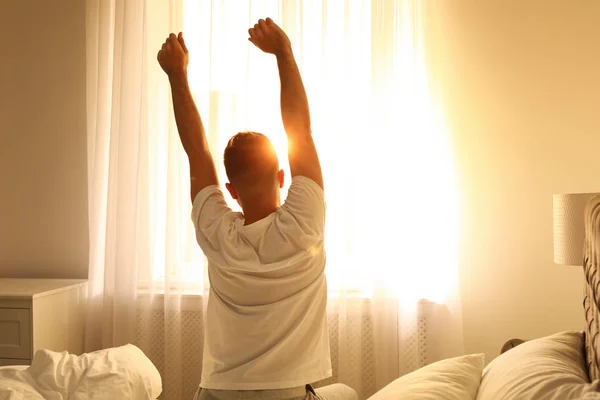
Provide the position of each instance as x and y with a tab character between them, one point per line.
253	170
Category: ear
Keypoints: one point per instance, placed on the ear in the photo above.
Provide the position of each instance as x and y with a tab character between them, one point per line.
281	177
231	191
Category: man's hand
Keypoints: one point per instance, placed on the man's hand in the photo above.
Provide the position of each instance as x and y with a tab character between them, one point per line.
269	37
173	56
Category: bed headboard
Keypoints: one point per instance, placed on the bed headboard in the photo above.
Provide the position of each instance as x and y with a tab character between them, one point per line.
591	298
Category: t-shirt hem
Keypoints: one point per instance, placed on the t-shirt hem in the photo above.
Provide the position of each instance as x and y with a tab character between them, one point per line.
204	193
200	199
264	385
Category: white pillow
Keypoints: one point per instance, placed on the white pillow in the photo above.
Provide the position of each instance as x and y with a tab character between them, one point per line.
552	367
454	378
116	373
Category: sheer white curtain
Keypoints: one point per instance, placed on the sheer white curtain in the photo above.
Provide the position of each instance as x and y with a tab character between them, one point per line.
371	70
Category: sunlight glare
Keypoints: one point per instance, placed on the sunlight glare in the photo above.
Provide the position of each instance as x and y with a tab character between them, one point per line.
392	217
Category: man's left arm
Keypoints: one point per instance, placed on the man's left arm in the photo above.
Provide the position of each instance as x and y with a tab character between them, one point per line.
173	58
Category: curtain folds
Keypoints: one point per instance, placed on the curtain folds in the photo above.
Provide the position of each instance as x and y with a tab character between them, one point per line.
373	73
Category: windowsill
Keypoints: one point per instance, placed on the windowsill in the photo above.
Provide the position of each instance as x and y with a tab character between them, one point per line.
145	290
191	299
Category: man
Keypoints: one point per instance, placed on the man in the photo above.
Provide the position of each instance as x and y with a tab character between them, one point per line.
266	334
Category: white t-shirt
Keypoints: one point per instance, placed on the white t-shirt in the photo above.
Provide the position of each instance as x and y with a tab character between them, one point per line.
266	316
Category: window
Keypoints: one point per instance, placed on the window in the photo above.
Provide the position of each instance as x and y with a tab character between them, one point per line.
392	211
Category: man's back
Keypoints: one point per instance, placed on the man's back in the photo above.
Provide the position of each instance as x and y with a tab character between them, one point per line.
266	316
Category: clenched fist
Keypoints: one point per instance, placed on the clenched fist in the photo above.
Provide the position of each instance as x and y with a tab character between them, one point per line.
269	37
173	56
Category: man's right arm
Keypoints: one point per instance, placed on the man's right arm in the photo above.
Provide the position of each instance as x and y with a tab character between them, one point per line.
295	113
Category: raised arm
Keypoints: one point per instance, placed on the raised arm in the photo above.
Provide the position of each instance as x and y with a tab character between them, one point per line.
295	113
173	59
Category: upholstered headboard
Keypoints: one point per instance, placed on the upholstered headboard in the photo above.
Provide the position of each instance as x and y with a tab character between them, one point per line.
591	298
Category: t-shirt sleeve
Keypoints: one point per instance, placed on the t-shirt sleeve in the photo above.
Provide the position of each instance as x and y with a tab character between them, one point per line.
305	202
209	214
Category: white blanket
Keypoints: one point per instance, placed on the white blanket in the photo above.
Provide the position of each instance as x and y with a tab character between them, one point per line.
118	373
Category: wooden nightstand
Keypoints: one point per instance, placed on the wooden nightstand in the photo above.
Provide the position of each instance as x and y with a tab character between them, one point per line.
40	314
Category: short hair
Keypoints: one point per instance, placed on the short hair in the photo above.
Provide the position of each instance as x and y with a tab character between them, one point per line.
249	156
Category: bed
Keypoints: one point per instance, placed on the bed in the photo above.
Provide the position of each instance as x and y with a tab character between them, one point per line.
562	366
14	367
117	373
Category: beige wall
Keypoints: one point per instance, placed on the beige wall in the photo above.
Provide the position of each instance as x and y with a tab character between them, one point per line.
43	192
524	93
524	96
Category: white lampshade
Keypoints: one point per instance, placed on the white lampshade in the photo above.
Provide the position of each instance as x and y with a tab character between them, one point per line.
569	227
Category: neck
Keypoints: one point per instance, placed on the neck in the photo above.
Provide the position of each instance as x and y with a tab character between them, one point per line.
258	212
